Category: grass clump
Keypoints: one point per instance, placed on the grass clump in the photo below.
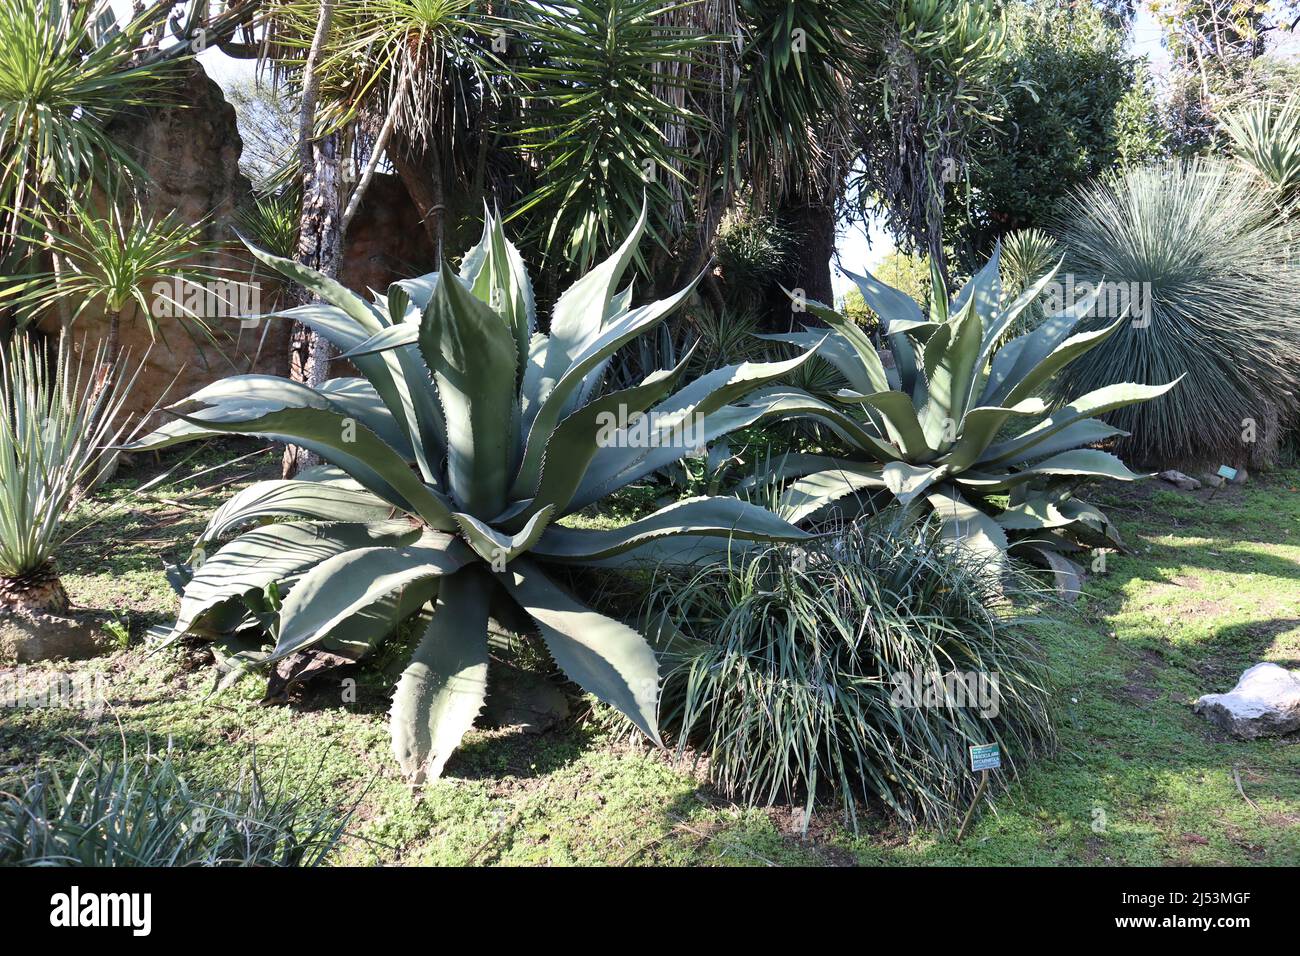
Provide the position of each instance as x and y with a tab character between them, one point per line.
144	811
865	665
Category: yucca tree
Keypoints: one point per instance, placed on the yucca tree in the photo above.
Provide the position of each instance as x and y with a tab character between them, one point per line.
468	436
55	423
960	427
60	83
598	107
114	260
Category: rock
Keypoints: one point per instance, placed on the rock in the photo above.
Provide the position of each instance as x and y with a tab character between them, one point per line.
1265	703
1185	482
30	636
1240	478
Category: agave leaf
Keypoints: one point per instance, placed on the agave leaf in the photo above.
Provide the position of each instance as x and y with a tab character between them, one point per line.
340	586
578	316
994	330
890	304
983	291
966	525
1068	574
498	548
558	401
707	516
262	556
810	494
869	363
1036	377
978	429
356	637
604	657
579	437
311	500
794	465
1013	361
393	337
950	372
907	481
900	420
367	318
357	398
495	273
836	350
472	356
352	447
443	687
1079	463
1075	416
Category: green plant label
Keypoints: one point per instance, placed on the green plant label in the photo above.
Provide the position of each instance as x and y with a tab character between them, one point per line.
985	757
1227	473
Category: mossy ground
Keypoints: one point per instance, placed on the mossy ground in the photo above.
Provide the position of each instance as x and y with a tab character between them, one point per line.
1212	586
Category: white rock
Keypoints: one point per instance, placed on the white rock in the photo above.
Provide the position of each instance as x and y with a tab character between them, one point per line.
1265	703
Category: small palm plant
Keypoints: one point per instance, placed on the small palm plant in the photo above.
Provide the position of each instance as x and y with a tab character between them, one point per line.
1266	140
959	426
54	424
125	262
452	459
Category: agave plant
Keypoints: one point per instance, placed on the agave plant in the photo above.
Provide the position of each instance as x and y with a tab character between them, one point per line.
452	459
959	425
1266	141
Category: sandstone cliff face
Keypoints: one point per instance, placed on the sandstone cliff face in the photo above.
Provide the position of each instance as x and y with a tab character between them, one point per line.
190	149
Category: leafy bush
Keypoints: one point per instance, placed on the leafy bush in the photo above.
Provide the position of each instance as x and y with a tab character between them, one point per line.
926	430
751	247
55	421
479	434
142	811
798	671
1218	291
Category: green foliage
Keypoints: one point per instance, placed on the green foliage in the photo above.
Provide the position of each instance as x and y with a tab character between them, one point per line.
752	247
55	420
480	433
929	430
1219	288
799	671
1026	255
1265	139
599	102
143	811
113	261
1076	104
59	85
927	91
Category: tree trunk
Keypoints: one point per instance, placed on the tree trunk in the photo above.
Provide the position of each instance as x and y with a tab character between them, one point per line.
813	226
319	233
424	190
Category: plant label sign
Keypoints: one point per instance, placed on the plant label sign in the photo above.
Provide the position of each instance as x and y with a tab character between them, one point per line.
1227	473
985	757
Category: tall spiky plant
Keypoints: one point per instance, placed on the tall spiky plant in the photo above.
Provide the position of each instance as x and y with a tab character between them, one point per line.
60	83
1206	264
1265	138
55	423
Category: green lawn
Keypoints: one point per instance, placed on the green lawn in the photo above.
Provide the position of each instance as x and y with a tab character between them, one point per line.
1212	586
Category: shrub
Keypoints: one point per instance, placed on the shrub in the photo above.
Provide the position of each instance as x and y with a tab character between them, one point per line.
1218	292
143	811
799	671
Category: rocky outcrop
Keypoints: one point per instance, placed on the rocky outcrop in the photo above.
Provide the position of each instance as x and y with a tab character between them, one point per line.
190	148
